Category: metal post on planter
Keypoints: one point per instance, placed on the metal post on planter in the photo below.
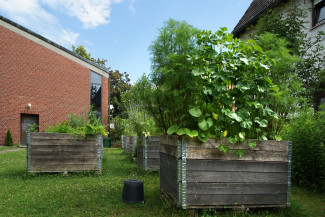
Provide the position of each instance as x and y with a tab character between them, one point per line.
28	149
122	145
289	172
100	152
181	175
145	157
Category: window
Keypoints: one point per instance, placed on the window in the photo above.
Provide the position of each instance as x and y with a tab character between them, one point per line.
96	93
319	12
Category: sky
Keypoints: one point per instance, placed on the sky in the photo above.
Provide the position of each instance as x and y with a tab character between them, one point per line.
119	31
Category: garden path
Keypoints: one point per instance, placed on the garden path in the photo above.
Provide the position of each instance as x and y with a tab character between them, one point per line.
9	150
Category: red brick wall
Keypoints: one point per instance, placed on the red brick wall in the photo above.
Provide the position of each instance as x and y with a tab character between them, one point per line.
53	84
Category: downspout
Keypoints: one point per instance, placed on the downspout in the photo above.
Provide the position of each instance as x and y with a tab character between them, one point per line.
109	103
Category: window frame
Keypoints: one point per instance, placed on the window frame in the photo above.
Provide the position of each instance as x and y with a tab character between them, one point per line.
101	92
315	13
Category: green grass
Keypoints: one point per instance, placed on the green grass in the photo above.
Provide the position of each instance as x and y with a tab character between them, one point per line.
90	194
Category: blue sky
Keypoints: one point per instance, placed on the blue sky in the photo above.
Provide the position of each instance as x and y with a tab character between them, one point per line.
119	30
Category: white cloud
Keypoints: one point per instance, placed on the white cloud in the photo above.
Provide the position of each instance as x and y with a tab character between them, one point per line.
31	14
131	6
91	13
35	15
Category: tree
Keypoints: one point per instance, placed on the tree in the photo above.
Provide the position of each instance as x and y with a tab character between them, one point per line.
81	51
8	139
171	83
291	90
291	26
119	82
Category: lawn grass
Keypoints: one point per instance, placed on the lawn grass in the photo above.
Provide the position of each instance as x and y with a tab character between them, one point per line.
91	194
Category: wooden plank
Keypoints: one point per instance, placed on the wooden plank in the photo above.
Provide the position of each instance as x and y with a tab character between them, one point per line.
240	166
170	140
251	155
168	149
236	200
267	145
236	177
61	167
168	174
153	148
153	163
62	155
152	139
42	142
235	188
153	155
62	161
51	148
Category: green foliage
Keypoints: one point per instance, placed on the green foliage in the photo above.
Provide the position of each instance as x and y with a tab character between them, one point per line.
8	139
233	82
83	124
306	131
138	121
120	83
293	27
289	95
171	87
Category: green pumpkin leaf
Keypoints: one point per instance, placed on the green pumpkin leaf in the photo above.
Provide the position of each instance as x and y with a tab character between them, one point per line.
205	124
278	138
252	144
234	116
207	91
193	133
195	112
171	130
246	124
182	131
239	153
202	137
232	140
262	123
224	148
242	135
263	137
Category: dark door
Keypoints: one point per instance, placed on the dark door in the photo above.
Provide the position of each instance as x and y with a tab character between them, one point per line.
26	121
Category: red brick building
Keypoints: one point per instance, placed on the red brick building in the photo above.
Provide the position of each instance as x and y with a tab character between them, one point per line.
41	82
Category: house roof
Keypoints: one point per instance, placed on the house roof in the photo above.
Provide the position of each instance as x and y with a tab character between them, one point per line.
10	22
256	9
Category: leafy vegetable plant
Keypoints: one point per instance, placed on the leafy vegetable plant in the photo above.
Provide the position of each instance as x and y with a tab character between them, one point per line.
83	124
233	77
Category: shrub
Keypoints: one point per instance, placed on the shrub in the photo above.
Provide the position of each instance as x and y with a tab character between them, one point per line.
84	124
306	131
8	139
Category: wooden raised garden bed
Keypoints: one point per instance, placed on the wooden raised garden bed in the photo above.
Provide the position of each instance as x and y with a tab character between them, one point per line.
129	144
148	153
197	175
61	152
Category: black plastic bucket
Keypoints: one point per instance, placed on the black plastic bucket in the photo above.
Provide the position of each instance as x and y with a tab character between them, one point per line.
133	191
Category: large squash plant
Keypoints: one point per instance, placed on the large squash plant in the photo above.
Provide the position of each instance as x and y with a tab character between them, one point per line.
233	78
